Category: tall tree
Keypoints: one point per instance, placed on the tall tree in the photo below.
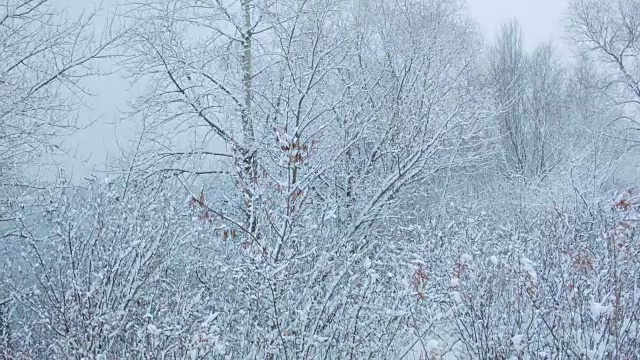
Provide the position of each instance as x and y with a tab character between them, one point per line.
508	64
545	110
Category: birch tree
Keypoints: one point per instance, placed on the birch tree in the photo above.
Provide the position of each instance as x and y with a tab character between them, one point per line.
356	106
212	95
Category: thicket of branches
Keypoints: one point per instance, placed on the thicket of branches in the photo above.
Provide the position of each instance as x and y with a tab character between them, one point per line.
324	179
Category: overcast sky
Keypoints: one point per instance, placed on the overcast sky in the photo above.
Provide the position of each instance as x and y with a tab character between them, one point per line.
541	21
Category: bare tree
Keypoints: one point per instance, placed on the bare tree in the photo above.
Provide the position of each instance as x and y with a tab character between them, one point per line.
609	33
530	97
508	66
546	107
318	179
355	106
43	58
213	96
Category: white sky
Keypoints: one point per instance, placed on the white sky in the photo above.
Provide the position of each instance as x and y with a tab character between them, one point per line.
541	21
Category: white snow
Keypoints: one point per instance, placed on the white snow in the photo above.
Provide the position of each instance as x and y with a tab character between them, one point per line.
518	342
598	310
153	330
434	349
527	266
456	297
